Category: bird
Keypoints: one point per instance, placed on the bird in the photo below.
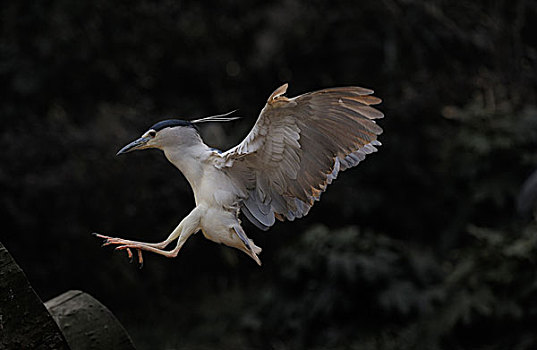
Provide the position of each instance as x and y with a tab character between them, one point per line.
295	149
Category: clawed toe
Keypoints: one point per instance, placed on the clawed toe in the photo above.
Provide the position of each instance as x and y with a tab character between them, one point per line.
107	239
128	248
140	258
98	235
110	241
129	254
122	245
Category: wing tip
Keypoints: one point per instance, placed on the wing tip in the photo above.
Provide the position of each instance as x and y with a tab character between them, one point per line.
278	92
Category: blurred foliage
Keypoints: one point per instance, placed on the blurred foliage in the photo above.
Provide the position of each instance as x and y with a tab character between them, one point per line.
420	247
360	290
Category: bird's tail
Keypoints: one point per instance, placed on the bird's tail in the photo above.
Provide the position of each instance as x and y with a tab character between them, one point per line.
249	246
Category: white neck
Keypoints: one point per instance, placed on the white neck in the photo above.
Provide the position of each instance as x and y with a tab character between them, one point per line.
190	160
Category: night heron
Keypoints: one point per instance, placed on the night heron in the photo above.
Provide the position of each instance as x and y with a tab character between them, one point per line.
294	151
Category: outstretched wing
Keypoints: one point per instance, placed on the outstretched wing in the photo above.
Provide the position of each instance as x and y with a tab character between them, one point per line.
297	147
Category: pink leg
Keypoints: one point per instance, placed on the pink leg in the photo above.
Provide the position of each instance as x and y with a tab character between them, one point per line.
139	247
120	241
187	226
167	253
127	245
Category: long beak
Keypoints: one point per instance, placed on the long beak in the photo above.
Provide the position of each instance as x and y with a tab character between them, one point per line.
134	145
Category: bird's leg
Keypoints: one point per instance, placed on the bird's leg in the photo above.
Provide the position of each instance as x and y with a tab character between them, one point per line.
187	226
167	253
160	245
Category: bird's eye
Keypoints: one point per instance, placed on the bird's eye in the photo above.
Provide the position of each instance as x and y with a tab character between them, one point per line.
152	133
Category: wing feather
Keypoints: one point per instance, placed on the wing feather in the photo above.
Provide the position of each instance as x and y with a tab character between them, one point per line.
298	146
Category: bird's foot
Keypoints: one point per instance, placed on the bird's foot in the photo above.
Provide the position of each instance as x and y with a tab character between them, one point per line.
112	240
123	244
129	253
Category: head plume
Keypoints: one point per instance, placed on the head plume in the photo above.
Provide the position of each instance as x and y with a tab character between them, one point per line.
216	118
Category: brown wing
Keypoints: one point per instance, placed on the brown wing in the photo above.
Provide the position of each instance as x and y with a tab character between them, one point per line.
297	147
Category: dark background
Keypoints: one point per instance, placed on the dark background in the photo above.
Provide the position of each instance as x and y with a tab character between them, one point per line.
420	246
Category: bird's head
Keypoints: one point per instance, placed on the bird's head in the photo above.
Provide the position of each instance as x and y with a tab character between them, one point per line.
167	133
173	133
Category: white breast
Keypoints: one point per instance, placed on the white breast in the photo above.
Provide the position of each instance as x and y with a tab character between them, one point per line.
215	189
